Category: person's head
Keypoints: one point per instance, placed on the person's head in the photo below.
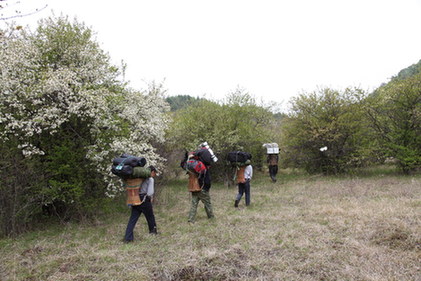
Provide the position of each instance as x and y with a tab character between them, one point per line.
153	171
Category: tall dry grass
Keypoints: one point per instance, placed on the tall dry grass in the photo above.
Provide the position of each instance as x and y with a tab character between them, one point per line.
301	228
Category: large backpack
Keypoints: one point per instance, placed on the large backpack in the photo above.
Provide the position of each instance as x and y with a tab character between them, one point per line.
238	157
195	166
204	156
123	166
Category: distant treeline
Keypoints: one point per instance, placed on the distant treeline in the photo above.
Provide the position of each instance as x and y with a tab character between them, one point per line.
181	101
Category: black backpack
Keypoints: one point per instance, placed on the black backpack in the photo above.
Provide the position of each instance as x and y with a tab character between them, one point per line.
204	156
238	156
123	166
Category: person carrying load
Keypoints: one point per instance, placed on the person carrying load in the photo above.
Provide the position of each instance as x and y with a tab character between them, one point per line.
145	195
197	165
138	181
272	150
244	172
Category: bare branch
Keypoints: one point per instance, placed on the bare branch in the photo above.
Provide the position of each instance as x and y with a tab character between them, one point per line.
23	15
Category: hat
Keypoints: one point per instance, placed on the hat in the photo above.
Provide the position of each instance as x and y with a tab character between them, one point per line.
153	169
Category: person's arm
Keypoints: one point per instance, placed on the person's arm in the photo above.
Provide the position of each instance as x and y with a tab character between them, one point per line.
248	173
251	171
151	189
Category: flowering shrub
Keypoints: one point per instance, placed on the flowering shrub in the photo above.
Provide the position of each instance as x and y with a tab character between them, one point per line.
58	85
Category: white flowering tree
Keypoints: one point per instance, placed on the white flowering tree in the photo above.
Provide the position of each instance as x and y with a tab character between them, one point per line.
64	114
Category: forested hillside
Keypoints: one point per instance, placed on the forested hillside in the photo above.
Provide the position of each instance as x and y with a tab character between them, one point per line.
411	70
181	101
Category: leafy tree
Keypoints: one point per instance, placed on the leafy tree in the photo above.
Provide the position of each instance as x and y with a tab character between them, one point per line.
64	109
236	124
395	113
324	132
409	71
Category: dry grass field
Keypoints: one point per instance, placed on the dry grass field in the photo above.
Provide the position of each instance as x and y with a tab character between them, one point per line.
300	228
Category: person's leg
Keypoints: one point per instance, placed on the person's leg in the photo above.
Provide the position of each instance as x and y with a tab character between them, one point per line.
205	197
149	215
193	208
272	172
134	216
240	194
247	191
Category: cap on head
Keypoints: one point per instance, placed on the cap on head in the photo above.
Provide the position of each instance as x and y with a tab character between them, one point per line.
153	169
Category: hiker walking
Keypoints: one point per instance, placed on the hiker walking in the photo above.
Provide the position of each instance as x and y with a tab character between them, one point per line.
197	166
244	175
146	193
272	151
203	181
272	160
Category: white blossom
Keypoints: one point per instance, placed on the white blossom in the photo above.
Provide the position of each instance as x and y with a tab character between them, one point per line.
37	98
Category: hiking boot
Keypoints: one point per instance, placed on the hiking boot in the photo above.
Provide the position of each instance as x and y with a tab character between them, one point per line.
154	231
236	203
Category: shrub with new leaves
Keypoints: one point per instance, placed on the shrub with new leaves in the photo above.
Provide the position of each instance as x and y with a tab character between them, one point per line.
395	114
324	132
237	124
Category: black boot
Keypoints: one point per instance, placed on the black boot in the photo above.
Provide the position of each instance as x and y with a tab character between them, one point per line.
236	203
153	231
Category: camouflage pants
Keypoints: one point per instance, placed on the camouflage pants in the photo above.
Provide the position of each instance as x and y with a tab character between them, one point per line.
203	196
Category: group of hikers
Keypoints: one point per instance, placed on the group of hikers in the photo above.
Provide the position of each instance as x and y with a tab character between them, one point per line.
140	189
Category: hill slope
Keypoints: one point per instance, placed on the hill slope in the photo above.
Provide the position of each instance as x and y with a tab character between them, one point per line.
409	71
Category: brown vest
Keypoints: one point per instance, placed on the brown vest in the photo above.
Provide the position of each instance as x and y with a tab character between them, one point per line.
240	175
193	183
273	159
132	189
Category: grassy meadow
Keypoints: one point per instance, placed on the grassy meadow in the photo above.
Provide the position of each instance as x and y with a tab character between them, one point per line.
361	227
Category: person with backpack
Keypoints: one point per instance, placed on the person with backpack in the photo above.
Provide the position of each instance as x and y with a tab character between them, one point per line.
200	182
272	150
244	175
146	193
272	160
204	183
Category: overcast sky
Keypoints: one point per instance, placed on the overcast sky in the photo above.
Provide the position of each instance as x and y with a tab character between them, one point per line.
272	49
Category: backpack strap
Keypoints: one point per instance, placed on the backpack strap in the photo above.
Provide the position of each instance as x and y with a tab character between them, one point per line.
121	165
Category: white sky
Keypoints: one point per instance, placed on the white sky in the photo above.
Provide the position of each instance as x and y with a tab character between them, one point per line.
272	49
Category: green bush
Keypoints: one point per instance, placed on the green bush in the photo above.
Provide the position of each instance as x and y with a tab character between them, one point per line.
236	124
325	132
395	114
